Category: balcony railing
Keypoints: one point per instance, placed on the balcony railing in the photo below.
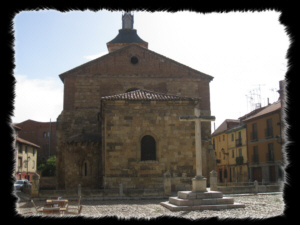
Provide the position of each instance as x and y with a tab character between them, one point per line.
270	157
255	159
238	142
239	160
253	136
269	132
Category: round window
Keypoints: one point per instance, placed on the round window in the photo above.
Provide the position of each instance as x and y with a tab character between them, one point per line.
134	60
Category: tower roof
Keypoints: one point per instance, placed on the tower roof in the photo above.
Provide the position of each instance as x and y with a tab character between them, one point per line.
127	35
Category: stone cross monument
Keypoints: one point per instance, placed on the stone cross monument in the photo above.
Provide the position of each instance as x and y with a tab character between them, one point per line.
199	198
199	182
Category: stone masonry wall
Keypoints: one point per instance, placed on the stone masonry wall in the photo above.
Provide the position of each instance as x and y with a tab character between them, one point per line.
76	156
125	124
114	74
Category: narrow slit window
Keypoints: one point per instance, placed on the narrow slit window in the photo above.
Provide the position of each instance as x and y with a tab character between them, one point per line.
85	169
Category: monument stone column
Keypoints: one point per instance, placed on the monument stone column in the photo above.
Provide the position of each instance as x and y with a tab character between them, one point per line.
199	181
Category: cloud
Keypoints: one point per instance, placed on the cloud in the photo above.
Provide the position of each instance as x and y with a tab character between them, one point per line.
37	99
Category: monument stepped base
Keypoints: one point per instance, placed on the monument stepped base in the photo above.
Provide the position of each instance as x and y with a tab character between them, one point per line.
210	200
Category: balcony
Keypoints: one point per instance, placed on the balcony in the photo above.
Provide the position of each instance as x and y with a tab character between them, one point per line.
238	142
270	157
239	160
253	136
255	159
269	132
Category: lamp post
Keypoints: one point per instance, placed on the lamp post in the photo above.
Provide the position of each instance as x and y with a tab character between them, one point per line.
27	163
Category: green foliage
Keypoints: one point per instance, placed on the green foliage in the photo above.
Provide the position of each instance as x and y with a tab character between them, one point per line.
49	168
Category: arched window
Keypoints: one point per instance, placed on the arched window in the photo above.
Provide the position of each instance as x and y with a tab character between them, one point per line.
148	148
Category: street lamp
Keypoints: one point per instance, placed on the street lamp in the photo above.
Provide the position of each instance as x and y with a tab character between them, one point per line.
27	163
223	151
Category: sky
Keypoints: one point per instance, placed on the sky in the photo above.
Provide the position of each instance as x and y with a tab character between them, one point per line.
245	52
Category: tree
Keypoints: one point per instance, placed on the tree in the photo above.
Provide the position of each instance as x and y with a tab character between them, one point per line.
48	169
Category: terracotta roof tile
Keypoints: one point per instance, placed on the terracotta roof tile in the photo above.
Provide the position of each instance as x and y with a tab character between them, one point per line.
268	109
146	96
227	124
27	142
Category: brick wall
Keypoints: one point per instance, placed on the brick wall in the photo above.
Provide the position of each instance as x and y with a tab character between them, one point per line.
33	131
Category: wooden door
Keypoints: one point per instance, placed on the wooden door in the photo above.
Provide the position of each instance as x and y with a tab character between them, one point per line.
257	174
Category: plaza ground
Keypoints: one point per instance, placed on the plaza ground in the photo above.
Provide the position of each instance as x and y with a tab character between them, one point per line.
260	206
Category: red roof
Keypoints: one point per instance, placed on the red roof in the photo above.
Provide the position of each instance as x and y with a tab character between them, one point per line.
268	109
227	124
27	142
16	128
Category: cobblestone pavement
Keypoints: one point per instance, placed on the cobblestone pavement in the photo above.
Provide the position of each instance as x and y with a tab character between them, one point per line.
257	206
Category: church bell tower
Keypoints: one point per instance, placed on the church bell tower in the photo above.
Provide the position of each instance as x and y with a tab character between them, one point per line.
127	35
127	21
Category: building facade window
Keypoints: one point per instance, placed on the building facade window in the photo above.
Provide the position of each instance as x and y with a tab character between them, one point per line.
20	148
269	130
148	148
270	154
254	131
238	142
20	164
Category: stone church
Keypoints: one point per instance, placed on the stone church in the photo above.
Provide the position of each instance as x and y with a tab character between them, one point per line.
120	119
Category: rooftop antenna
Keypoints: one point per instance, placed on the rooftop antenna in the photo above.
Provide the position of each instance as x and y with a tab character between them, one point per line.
255	97
275	91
